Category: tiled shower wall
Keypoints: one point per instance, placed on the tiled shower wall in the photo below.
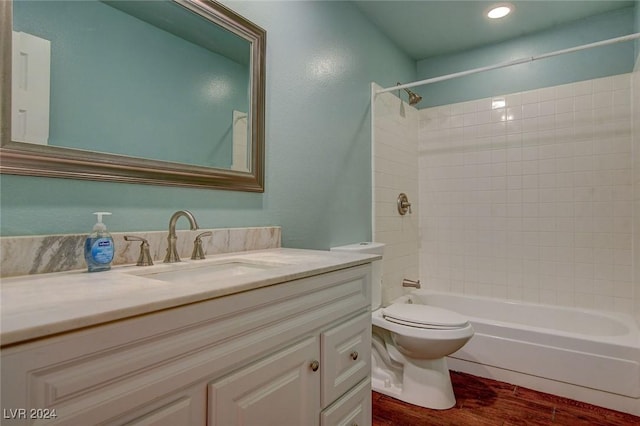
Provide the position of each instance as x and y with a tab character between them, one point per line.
529	196
395	170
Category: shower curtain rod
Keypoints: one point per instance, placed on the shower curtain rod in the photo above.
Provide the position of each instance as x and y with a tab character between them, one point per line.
510	63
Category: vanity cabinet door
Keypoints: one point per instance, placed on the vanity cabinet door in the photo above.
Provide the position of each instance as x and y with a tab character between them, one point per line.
175	413
346	356
185	407
281	389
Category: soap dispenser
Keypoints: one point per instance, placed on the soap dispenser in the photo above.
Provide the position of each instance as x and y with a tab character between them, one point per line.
98	247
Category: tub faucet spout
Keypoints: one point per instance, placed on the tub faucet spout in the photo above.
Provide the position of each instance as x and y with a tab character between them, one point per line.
172	251
410	283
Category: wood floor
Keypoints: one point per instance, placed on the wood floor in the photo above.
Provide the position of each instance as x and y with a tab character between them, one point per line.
488	402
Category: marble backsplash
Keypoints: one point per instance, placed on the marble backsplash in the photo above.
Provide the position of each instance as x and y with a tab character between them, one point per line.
56	253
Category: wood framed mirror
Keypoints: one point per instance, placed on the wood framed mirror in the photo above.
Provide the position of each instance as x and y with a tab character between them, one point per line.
161	92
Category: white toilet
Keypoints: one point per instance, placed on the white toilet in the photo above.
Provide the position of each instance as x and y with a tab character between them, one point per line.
410	342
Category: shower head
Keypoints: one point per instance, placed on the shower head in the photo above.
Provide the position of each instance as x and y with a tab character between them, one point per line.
414	98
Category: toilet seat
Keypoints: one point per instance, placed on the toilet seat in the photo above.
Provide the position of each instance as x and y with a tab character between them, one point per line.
423	316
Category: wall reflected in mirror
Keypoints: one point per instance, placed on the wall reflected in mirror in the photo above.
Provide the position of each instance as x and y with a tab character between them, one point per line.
144	79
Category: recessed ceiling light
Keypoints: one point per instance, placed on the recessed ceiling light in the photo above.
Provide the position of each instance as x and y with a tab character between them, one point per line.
499	11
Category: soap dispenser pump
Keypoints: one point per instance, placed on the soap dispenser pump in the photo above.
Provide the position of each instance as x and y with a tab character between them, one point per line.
98	247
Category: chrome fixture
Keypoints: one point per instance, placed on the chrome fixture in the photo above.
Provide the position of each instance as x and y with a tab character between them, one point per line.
172	252
198	252
410	283
144	259
404	205
414	98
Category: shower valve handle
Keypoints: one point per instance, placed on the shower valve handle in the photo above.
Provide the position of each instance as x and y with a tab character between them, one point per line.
404	205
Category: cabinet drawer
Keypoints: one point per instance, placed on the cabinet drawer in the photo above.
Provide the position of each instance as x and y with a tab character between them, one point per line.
346	356
353	409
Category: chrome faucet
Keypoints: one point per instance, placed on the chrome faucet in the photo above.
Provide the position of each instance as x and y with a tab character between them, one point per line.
172	251
410	283
144	259
198	251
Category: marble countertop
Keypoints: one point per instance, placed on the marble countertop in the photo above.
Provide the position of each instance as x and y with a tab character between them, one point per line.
35	306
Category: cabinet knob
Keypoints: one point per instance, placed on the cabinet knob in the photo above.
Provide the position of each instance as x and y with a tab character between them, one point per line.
354	355
314	365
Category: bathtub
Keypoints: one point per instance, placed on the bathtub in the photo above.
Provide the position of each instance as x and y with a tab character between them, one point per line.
590	356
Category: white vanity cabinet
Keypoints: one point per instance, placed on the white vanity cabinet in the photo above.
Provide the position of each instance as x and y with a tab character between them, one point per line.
295	353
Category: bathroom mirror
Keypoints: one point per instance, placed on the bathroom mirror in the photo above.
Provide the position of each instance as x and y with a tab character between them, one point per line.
164	92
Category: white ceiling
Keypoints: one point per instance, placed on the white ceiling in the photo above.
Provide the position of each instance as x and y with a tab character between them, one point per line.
426	28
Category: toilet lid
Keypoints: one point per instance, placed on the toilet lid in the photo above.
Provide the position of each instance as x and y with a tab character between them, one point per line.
423	316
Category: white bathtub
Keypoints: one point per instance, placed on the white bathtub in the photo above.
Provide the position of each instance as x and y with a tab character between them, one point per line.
581	354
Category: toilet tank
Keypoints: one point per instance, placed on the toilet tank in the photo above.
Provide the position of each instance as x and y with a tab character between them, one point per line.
376	277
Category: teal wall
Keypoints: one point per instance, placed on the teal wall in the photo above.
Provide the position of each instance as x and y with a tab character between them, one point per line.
108	102
587	64
321	58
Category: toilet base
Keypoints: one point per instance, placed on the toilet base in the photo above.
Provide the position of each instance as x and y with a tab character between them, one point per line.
425	383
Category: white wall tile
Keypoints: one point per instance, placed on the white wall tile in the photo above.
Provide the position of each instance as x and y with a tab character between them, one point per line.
545	195
396	163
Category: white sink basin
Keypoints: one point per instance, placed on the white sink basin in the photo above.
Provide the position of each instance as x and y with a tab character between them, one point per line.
194	273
